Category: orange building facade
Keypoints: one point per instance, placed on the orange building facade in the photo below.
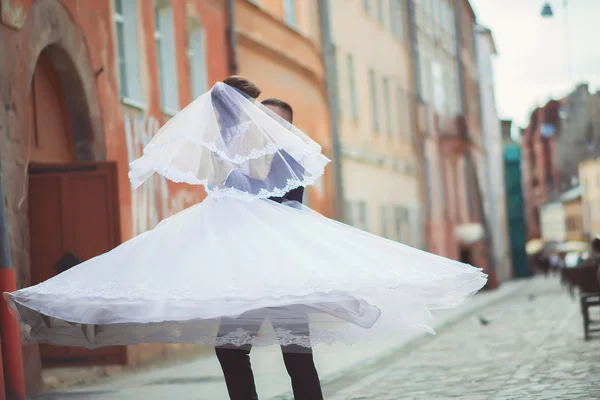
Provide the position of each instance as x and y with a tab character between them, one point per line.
84	85
279	48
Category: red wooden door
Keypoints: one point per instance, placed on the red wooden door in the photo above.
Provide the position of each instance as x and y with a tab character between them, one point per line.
72	209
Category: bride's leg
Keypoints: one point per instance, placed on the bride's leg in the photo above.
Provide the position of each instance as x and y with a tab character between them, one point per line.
235	362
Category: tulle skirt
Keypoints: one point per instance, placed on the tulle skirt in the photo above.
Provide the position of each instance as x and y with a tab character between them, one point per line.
236	270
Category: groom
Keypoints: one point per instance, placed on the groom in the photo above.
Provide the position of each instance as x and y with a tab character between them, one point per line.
235	361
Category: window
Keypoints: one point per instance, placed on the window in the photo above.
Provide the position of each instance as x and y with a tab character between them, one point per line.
448	18
449	90
128	51
336	85
402	228
387	105
362	216
367	6
352	88
450	23
197	60
398	223
167	62
439	94
403	112
384	222
418	229
408	121
289	12
380	11
374	108
437	14
426	80
356	214
396	18
349	211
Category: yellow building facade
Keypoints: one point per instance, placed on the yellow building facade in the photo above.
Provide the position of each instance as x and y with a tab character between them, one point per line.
589	180
375	115
573	208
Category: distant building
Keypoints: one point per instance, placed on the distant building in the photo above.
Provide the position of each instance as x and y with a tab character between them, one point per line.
560	135
572	204
449	128
515	205
539	170
589	178
562	220
494	194
578	137
553	222
434	42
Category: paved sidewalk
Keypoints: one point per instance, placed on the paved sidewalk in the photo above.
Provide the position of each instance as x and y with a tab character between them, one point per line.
532	348
202	379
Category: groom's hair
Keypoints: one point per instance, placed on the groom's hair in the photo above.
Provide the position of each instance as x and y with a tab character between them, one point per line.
244	85
281	105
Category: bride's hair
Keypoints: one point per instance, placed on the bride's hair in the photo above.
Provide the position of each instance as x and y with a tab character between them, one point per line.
244	85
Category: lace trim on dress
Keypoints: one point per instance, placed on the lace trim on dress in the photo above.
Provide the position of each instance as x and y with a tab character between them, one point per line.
268	149
142	166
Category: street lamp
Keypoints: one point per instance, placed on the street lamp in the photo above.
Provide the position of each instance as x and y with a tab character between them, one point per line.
547	10
548	13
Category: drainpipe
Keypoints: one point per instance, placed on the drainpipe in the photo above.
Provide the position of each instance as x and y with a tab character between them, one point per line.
12	358
420	141
328	54
231	37
489	241
461	80
463	103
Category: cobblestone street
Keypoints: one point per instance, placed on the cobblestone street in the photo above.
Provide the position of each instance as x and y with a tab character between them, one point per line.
532	347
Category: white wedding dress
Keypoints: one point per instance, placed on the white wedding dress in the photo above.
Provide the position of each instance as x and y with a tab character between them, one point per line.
239	258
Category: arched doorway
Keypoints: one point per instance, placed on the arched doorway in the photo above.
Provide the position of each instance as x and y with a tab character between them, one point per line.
73	203
51	137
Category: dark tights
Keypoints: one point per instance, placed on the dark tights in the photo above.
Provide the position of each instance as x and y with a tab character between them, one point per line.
235	362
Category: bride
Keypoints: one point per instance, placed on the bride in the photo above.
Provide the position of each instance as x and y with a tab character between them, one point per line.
239	256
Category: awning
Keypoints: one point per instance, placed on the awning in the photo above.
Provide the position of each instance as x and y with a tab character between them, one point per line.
534	246
468	234
572	247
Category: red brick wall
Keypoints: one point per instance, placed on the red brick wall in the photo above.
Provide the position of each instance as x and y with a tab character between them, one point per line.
538	163
95	21
83	30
